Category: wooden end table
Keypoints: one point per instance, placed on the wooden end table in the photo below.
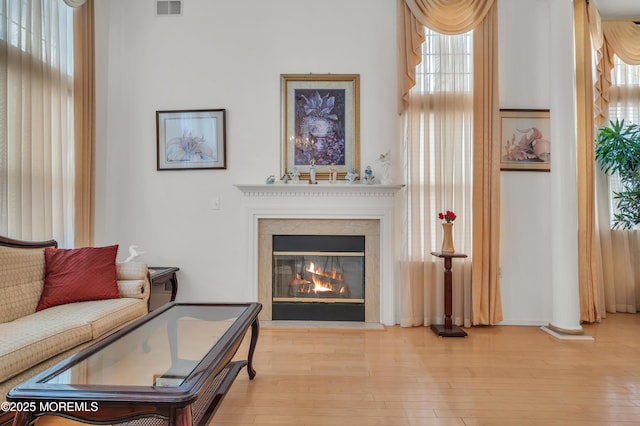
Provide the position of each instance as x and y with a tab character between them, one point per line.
448	329
159	275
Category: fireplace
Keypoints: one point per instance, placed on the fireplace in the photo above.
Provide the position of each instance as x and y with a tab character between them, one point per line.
318	277
324	209
366	230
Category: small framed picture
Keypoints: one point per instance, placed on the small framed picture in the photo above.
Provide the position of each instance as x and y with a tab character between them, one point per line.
193	139
524	140
320	124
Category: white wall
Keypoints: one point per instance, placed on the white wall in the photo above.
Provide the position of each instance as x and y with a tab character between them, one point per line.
525	255
220	54
230	54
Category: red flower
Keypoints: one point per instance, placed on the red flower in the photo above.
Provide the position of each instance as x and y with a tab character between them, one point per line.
448	216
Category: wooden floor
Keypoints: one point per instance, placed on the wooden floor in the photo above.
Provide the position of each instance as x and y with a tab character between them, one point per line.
501	375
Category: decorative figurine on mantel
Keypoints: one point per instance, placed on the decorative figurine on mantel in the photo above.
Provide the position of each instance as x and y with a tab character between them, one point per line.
385	161
271	179
295	175
368	176
333	173
351	175
312	171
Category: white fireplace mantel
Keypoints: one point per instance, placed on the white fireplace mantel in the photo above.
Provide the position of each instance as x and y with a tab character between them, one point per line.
319	189
326	201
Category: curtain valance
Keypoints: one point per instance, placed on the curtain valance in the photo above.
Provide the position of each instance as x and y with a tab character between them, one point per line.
443	16
624	39
609	37
449	17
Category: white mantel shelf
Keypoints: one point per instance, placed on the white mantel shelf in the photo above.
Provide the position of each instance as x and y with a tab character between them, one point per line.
319	189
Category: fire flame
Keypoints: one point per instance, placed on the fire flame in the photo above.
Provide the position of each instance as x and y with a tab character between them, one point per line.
319	286
333	274
317	278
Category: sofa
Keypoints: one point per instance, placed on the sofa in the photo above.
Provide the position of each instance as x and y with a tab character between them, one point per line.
54	302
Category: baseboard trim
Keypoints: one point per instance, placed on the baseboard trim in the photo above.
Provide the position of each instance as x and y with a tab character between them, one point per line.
562	336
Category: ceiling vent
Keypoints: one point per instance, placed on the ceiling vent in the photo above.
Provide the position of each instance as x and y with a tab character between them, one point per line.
169	7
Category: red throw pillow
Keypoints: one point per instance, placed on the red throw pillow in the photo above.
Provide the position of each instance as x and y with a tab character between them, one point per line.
76	275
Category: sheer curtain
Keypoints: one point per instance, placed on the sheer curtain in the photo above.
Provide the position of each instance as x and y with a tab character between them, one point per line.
609	272
438	126
449	165
36	120
621	248
617	96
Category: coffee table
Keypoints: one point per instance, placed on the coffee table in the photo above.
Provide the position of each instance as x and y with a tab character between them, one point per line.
172	367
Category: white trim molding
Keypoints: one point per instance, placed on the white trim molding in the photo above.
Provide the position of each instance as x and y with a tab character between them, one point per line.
322	190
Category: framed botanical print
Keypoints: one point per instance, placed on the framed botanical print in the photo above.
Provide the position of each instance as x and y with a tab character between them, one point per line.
320	123
192	139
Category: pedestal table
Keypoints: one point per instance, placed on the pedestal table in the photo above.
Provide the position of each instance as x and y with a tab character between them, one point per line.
448	329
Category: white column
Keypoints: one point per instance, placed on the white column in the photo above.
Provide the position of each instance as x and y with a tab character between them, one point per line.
564	195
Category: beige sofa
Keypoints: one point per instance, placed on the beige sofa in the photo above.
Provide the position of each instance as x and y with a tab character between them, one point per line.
32	341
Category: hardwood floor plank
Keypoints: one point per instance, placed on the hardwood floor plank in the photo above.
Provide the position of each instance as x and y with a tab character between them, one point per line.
502	375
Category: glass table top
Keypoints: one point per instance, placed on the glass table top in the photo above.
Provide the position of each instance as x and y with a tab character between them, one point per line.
162	352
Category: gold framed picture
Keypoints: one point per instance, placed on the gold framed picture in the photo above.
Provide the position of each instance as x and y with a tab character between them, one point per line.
320	124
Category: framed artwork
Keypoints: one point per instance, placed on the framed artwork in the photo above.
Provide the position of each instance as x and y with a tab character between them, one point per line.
320	123
524	140
192	139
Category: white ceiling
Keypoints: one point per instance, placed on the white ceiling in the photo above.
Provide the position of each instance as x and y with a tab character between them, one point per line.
616	9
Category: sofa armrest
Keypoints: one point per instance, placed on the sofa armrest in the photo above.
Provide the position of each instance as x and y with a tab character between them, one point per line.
132	288
133	280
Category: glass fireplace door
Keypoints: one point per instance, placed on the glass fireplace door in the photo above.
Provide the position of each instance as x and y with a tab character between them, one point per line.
318	278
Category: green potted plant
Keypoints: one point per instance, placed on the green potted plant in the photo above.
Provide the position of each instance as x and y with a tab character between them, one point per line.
618	153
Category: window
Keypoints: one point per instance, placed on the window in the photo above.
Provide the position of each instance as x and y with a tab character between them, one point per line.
624	103
624	94
18	30
447	63
444	89
36	120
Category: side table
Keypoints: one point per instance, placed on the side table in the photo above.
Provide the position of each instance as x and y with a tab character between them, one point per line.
159	275
449	329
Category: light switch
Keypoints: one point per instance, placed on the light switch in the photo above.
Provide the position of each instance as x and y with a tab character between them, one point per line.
215	203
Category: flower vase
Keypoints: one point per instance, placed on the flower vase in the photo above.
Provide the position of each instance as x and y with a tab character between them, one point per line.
447	240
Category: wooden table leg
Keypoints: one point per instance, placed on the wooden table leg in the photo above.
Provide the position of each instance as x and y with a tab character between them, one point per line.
174	286
182	417
255	330
448	295
22	418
